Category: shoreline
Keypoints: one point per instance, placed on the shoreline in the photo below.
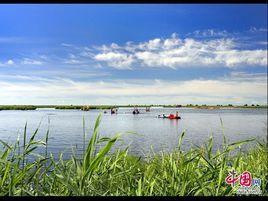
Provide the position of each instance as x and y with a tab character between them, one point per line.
107	107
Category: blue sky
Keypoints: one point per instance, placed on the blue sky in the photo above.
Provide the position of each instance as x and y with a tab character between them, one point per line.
133	54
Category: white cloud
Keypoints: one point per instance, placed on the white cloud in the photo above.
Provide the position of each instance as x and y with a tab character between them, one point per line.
66	45
27	61
240	88
240	76
72	61
7	63
116	60
10	62
262	43
174	53
210	33
243	57
254	29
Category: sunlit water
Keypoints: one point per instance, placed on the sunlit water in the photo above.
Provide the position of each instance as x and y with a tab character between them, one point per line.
66	127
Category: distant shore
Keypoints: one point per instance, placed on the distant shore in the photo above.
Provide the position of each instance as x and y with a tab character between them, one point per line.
92	107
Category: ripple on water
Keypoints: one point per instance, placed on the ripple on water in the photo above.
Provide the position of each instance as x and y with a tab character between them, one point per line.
66	127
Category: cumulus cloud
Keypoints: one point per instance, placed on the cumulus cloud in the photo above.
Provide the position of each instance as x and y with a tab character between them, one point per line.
10	62
7	63
174	52
116	59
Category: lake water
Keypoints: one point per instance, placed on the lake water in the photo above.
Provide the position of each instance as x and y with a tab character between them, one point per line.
66	127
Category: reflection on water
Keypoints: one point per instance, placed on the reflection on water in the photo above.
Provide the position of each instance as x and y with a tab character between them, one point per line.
66	128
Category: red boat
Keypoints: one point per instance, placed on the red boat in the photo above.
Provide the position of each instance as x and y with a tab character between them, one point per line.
172	116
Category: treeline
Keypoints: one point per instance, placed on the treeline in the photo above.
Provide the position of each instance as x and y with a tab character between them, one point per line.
228	105
81	107
17	107
67	107
104	107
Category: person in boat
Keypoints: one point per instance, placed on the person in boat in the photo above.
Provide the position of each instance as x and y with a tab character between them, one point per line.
177	114
162	116
136	111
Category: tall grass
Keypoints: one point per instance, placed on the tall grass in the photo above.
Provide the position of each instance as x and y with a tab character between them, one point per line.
198	171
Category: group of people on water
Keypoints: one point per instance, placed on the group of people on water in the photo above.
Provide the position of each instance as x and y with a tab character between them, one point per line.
136	111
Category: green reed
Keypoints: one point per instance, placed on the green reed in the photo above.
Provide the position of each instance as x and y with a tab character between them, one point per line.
198	171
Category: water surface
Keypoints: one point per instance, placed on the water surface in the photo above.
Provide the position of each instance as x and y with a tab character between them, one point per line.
66	128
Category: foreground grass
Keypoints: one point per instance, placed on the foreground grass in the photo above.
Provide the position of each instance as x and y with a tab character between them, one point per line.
198	171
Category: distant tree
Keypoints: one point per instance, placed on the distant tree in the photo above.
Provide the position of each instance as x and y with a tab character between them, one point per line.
230	105
252	105
246	105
